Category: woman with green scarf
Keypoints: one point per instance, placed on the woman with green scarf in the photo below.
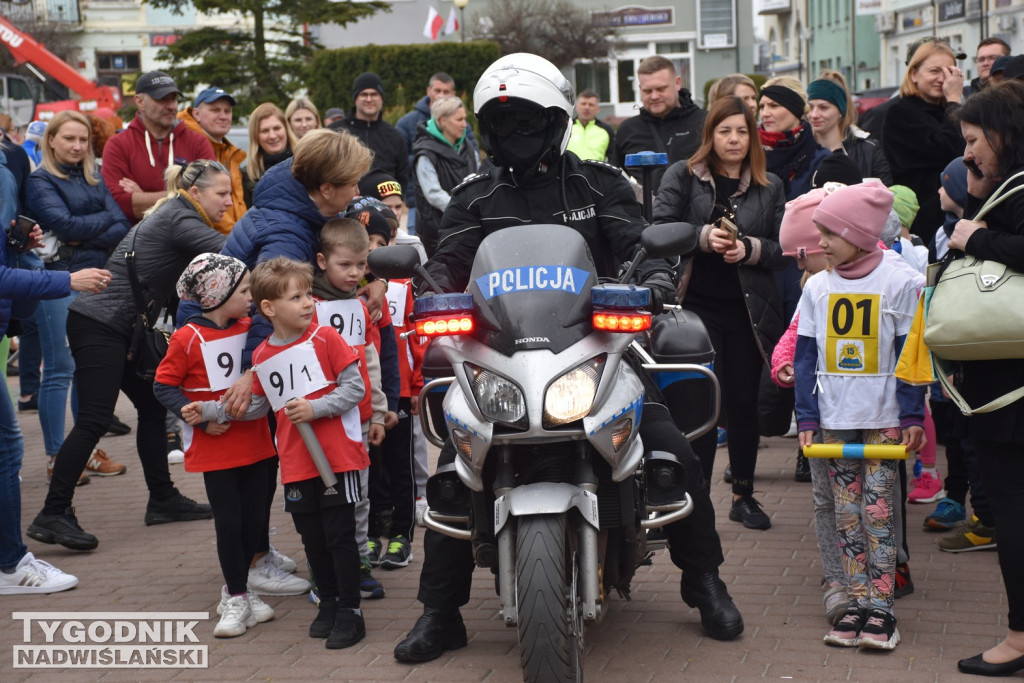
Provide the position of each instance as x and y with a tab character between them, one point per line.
443	157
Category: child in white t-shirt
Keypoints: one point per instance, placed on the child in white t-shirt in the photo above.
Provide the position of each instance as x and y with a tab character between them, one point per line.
854	319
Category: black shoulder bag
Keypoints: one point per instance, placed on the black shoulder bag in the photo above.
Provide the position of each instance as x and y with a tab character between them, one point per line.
149	344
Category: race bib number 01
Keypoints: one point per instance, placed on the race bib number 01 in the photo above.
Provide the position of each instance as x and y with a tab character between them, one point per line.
851	340
295	373
346	316
397	298
223	360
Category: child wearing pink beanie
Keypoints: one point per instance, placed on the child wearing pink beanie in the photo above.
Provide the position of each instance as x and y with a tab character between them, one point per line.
854	319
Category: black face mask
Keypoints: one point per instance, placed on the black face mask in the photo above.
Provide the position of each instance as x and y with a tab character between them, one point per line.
522	138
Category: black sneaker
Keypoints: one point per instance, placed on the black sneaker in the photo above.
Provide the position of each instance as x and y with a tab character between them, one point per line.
29	405
177	508
846	632
727	475
62	529
749	512
324	622
879	632
399	553
349	629
118	428
803	467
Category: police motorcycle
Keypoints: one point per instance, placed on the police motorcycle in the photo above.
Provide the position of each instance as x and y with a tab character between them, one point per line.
541	399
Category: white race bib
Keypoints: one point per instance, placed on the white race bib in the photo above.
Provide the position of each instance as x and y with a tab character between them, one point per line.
295	373
346	316
397	297
223	360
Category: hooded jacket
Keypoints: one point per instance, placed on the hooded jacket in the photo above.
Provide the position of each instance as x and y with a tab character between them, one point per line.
407	126
758	208
232	158
452	164
678	134
390	153
134	153
75	211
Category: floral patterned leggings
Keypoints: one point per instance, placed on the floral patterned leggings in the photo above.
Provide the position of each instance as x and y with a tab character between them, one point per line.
862	490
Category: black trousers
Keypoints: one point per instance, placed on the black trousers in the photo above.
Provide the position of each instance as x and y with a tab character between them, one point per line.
392	478
1002	473
962	473
738	366
238	497
694	545
102	371
329	539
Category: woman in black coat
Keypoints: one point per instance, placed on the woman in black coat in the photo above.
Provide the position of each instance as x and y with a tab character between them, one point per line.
920	135
989	121
731	285
100	329
442	157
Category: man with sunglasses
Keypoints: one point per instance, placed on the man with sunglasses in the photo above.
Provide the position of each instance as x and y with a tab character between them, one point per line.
524	106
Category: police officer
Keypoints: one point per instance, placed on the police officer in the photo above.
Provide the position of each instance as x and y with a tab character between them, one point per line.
524	106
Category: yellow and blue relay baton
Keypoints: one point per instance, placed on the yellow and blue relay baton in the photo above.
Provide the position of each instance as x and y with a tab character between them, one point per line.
856	451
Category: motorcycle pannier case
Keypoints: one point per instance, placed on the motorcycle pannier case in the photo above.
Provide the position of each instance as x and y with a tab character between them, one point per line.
680	337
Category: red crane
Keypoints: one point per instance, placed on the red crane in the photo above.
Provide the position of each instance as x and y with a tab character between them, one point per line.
27	50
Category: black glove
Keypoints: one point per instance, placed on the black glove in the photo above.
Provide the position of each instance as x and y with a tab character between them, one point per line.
663	290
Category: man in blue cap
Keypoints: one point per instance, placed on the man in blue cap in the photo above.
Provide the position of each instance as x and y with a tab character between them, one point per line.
211	115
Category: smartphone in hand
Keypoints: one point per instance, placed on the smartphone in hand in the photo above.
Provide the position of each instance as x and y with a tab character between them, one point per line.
724	223
18	234
973	168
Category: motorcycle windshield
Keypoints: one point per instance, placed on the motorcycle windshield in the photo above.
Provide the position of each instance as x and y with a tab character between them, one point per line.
531	288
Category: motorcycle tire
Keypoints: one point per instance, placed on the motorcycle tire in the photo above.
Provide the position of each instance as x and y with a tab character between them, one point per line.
550	626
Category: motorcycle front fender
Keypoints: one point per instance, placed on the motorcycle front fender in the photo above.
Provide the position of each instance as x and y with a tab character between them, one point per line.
545	498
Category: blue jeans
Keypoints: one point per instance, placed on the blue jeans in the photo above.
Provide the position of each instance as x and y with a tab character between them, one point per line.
12	548
58	370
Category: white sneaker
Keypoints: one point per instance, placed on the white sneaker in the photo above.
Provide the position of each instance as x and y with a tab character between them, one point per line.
267	578
283	562
236	619
261	610
176	457
35	576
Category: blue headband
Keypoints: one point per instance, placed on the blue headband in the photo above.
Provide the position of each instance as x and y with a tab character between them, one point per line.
828	91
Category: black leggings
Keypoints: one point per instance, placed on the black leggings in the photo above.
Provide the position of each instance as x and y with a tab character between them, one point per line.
329	539
738	365
101	371
1002	473
238	497
392	482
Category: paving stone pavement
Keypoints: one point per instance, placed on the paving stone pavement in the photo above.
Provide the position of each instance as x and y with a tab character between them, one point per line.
957	609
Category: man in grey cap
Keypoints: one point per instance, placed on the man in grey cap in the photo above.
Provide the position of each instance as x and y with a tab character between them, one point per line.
134	161
211	115
332	115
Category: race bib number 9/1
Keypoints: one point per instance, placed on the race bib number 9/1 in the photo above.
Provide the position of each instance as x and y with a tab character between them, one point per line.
295	373
397	298
851	340
223	360
346	316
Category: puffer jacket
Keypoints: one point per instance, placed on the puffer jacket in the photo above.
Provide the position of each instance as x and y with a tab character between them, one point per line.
452	164
75	211
758	209
167	240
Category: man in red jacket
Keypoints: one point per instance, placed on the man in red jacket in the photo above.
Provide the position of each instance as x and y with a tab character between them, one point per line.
134	160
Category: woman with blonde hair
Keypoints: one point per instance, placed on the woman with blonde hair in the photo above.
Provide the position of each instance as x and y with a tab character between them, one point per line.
920	136
271	141
739	85
443	157
729	280
83	224
302	116
833	116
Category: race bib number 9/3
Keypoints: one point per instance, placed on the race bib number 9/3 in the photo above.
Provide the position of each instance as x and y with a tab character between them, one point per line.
295	373
223	360
346	316
851	340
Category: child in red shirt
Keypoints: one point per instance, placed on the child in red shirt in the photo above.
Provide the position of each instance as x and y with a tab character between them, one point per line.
310	375
202	361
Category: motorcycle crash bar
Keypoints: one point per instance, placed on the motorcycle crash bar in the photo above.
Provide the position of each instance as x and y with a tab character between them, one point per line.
856	451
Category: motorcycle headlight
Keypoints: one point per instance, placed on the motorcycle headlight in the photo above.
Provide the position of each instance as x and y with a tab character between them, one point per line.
499	399
571	396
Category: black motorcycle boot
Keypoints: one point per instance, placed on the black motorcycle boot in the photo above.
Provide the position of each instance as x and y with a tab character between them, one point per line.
436	631
718	613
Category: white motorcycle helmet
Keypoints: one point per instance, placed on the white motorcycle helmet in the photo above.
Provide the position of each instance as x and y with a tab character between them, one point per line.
524	106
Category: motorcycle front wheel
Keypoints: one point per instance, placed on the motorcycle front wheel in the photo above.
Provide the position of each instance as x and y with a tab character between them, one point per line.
547	598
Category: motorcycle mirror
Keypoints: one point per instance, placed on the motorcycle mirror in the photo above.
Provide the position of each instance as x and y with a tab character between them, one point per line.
668	239
394	262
